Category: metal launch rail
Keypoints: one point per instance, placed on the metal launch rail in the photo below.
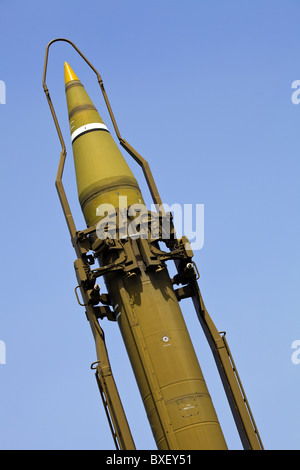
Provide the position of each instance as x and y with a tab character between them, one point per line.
186	277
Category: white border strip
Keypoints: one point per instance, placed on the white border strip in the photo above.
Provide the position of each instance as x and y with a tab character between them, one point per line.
88	127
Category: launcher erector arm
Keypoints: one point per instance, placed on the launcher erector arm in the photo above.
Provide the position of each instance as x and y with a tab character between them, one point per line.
88	249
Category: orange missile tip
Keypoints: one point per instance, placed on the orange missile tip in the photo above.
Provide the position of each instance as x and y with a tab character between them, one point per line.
69	74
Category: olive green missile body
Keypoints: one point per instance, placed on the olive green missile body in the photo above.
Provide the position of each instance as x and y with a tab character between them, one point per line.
101	171
171	384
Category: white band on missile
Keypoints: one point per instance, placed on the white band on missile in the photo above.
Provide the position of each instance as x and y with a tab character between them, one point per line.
93	126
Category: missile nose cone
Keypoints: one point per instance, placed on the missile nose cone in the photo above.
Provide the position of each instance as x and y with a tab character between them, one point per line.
102	173
70	75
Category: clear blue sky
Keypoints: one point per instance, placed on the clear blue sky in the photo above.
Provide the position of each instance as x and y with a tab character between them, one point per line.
203	91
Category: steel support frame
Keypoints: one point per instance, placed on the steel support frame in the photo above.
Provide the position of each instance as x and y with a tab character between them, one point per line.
231	381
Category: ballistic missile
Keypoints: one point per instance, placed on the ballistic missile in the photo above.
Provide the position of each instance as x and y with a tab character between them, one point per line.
141	294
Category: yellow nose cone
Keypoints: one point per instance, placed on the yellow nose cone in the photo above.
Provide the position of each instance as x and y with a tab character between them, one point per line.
69	74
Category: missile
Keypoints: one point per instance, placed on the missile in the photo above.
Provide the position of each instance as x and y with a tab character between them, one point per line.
172	387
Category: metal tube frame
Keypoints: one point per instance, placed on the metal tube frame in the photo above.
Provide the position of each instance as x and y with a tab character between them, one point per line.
238	402
109	393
